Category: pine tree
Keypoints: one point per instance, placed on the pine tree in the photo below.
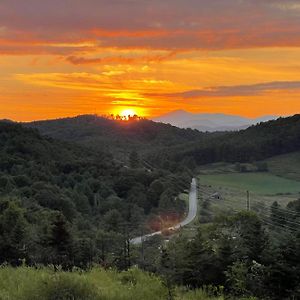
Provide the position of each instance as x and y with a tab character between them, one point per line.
61	241
13	228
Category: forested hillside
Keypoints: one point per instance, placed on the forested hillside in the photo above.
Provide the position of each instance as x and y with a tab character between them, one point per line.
172	148
253	144
65	203
118	137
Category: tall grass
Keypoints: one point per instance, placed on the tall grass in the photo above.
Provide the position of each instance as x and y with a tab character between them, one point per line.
26	283
196	295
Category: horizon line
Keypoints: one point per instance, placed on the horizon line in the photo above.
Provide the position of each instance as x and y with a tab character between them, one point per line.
147	117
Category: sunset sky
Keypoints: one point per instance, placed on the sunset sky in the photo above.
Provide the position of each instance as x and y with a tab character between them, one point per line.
68	57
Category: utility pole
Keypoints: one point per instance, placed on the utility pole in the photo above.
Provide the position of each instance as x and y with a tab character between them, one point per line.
128	247
128	252
248	206
142	248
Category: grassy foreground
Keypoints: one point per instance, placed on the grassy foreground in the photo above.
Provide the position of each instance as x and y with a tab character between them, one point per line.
26	283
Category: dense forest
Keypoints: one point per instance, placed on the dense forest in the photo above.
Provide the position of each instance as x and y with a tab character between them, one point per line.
66	203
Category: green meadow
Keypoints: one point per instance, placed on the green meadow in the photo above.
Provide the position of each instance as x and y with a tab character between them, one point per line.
259	183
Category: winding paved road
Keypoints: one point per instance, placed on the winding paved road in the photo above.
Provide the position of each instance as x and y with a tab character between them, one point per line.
193	205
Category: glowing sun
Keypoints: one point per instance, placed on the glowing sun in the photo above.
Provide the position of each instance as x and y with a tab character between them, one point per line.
128	112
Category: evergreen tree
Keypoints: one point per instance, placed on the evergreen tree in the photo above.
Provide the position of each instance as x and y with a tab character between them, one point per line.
166	269
251	239
13	229
61	241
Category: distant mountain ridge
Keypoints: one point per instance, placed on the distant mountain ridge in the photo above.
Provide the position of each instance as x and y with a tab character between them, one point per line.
168	147
119	138
210	122
255	143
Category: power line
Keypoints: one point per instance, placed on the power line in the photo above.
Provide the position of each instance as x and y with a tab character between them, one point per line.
278	219
287	211
266	221
256	202
265	216
284	220
277	225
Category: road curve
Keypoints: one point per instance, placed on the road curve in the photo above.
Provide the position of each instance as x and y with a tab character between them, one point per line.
193	206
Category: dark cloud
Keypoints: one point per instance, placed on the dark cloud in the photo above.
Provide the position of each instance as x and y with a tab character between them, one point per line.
239	90
168	24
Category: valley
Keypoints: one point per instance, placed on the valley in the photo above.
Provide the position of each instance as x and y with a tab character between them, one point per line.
89	193
149	150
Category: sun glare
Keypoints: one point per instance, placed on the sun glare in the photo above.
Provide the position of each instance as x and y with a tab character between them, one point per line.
128	113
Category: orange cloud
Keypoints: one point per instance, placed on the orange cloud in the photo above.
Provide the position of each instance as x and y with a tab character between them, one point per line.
58	59
121	59
240	90
98	32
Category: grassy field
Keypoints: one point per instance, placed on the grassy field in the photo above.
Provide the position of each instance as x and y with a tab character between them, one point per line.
280	183
287	165
236	198
264	188
258	183
44	284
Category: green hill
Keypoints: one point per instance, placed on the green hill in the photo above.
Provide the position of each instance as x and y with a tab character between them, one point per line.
171	148
118	137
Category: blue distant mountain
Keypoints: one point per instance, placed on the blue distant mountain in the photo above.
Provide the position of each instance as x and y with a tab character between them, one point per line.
210	121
